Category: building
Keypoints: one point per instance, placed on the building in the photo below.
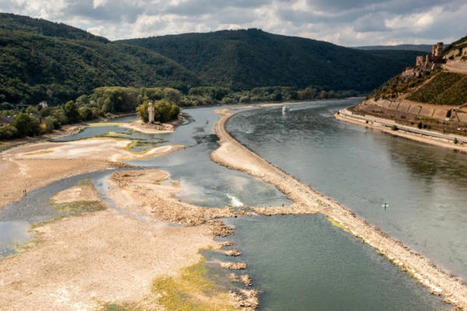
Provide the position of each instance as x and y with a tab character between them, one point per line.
433	60
43	104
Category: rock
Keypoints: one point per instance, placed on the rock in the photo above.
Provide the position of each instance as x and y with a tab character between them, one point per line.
220	229
234	265
233	252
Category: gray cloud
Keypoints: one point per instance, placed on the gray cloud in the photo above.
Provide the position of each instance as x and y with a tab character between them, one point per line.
345	22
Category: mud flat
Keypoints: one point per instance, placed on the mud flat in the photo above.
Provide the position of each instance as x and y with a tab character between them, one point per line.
233	154
86	263
33	166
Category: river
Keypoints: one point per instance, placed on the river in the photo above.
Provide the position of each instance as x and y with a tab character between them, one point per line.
299	262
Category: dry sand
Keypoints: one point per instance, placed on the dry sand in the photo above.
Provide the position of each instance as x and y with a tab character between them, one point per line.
104	256
146	128
32	166
233	154
80	263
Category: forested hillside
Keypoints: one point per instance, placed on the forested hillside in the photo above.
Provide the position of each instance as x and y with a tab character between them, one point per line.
40	60
245	59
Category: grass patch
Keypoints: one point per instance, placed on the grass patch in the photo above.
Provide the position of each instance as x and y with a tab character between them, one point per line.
79	207
336	224
191	291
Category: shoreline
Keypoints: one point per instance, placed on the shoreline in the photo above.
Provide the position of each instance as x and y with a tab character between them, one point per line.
377	123
232	154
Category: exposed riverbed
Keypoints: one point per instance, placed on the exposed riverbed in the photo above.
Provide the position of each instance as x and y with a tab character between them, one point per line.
299	260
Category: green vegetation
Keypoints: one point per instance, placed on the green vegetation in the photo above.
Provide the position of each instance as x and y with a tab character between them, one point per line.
79	207
164	111
192	291
446	88
83	77
398	85
54	62
245	59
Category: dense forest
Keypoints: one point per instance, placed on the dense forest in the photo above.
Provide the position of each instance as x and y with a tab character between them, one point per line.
244	59
41	60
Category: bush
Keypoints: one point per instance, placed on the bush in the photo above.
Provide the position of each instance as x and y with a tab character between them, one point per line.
142	111
8	131
85	113
164	111
71	111
26	125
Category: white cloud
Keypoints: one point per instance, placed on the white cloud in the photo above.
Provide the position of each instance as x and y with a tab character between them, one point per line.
343	22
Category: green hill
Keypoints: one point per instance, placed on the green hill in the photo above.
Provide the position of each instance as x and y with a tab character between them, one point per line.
245	59
41	60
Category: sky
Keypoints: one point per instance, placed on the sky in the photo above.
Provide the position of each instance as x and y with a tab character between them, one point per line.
343	22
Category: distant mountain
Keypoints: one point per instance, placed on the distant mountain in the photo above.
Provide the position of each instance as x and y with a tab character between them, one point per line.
244	59
41	60
400	47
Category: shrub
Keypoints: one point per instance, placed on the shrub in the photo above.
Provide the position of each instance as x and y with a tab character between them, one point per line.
8	132
71	111
26	125
164	111
85	113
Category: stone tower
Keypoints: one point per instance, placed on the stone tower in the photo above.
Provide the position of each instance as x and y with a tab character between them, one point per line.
437	50
151	112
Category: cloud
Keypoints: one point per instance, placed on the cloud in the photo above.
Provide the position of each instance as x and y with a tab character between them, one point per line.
357	22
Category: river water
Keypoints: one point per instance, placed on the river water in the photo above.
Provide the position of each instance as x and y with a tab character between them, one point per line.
425	186
298	262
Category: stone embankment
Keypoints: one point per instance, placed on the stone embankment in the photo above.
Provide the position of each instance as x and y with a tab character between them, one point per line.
451	141
233	154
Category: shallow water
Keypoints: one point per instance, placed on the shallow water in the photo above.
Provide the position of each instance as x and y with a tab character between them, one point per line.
203	181
16	218
425	186
305	263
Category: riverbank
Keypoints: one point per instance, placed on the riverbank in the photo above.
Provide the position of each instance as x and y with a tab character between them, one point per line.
32	166
393	128
234	155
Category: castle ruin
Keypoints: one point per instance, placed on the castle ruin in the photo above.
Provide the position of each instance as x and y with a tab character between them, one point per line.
431	61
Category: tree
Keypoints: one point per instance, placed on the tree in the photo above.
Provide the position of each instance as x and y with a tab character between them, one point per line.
142	111
26	125
71	111
8	131
164	111
85	113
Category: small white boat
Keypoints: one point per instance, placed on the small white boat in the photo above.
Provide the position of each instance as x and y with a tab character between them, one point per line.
285	109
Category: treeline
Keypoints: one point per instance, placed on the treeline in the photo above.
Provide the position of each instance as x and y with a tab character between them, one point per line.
219	95
105	101
102	102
